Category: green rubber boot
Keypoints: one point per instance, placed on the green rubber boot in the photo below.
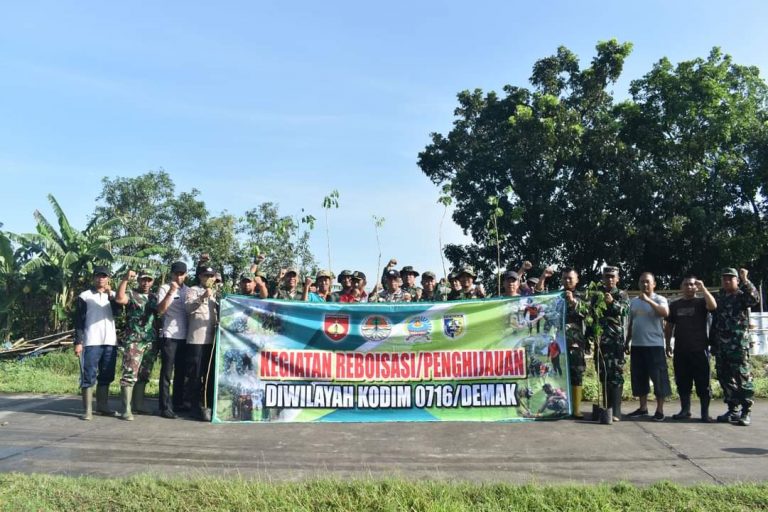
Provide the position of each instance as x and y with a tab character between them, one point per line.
138	399
102	401
125	393
87	394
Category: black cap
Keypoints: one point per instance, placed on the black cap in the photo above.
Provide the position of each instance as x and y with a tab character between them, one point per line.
205	269
179	267
358	275
510	274
391	273
102	270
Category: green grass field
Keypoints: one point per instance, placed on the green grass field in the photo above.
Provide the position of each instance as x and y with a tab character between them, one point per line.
146	493
58	373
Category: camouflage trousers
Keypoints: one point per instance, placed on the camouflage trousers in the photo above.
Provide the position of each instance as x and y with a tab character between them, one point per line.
609	361
577	363
138	361
734	375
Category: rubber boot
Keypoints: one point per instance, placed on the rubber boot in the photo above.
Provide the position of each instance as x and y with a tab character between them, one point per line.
126	392
102	401
616	391
577	393
87	394
685	408
137	402
705	410
746	413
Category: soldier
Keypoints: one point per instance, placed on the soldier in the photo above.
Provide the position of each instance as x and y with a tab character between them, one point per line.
288	290
202	310
139	334
323	282
574	338
687	321
645	342
430	293
393	291
730	341
345	280
466	276
96	342
253	286
409	275
609	351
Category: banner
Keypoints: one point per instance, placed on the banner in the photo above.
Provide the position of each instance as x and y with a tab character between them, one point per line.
480	360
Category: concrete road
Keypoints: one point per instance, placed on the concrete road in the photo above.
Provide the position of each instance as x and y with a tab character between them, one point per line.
42	434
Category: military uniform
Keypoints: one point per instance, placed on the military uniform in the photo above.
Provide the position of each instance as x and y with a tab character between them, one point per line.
409	289
286	294
139	335
730	341
462	294
609	356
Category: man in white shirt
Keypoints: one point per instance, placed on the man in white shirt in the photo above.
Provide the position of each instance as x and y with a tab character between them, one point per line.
646	337
173	338
96	342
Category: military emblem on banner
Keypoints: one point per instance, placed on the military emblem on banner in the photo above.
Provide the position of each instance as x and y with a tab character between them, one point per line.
419	329
454	326
376	328
336	327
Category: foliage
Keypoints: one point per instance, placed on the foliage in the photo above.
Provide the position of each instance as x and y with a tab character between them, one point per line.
147	493
671	180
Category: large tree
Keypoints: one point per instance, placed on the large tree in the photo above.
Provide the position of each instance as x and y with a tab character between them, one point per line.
581	180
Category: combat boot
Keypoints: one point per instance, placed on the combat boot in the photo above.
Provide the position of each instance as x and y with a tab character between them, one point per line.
102	401
746	413
137	401
126	393
616	391
729	416
685	408
87	394
576	394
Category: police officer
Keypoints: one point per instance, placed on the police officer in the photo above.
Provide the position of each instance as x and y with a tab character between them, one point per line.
730	341
393	291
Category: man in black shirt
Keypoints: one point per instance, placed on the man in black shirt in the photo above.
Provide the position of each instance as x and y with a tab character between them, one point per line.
688	322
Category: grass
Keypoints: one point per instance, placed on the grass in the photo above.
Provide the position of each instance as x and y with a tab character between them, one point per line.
147	493
58	373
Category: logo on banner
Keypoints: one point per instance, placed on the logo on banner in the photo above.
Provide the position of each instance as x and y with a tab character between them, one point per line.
376	328
419	329
336	327
454	326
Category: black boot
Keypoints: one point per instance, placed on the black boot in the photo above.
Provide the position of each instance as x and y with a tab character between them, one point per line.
746	413
729	416
705	410
616	391
685	408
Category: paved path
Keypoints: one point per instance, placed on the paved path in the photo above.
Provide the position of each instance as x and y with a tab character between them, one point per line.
43	434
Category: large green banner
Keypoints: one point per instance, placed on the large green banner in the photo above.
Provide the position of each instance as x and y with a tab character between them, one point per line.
480	360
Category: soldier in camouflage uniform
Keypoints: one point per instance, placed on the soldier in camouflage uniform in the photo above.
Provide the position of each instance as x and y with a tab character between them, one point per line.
730	342
409	275
430	291
139	335
252	285
574	338
466	276
288	289
609	352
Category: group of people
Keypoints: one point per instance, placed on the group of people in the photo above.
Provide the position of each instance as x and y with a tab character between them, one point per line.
181	321
700	325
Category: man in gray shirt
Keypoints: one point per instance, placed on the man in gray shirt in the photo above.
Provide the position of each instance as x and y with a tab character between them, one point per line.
645	336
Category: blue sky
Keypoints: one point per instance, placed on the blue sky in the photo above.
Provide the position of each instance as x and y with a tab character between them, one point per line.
276	101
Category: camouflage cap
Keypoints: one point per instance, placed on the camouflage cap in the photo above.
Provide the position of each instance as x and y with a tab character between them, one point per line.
323	273
610	271
145	274
728	271
408	270
428	273
510	274
345	273
358	275
453	276
466	269
291	270
248	276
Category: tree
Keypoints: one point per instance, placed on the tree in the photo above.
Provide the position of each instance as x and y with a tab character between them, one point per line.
597	182
61	261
